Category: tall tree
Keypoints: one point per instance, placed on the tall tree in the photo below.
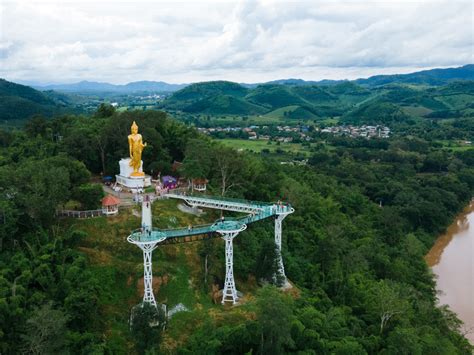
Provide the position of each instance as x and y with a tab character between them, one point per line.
230	168
387	300
197	162
147	325
44	187
274	314
45	331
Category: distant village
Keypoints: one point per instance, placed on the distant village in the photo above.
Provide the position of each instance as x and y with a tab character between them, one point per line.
359	131
287	134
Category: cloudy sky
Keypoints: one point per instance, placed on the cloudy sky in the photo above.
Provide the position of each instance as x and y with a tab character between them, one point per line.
53	41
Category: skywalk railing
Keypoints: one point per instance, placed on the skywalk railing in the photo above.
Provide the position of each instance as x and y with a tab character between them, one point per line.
144	235
280	207
229	223
261	211
222	199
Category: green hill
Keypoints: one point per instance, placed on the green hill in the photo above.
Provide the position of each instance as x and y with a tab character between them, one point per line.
354	102
200	98
314	94
224	104
349	94
223	97
458	98
293	112
347	88
458	87
19	102
427	77
199	91
274	96
376	112
407	96
8	88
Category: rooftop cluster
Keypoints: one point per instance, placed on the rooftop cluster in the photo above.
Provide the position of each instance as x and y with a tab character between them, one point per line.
359	131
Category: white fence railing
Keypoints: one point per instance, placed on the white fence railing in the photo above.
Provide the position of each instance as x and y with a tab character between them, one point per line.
80	214
90	213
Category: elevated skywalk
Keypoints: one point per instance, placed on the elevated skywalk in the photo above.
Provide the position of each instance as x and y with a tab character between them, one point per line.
148	238
256	212
140	235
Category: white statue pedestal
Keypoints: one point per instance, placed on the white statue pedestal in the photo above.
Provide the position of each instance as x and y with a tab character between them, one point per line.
131	182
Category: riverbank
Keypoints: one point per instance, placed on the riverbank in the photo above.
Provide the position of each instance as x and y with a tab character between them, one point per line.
452	261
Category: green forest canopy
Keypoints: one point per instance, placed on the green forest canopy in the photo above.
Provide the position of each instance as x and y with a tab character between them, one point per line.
363	286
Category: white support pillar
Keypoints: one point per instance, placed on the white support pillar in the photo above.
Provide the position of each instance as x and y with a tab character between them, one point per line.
146	213
229	293
148	295
281	268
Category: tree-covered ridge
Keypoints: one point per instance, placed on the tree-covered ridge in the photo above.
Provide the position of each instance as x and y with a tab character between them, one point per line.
209	98
425	77
208	89
352	102
361	284
308	100
20	102
11	89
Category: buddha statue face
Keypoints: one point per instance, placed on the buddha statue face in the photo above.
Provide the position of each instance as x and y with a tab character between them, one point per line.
134	128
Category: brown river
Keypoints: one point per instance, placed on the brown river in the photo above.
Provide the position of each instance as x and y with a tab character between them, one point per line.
452	261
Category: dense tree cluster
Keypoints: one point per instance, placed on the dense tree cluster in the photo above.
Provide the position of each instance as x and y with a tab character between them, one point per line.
366	215
42	167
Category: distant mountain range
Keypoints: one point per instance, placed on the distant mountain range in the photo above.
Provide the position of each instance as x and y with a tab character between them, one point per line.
433	77
437	93
428	77
391	101
95	87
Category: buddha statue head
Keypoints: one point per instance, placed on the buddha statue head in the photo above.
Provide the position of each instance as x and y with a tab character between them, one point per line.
134	128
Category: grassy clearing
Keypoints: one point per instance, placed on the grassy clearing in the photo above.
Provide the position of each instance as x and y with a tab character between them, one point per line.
416	110
279	114
457	146
167	215
258	145
330	121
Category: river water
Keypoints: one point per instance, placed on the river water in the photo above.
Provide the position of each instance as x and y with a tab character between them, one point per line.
452	261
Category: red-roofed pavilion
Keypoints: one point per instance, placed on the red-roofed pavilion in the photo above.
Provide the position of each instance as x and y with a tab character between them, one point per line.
110	205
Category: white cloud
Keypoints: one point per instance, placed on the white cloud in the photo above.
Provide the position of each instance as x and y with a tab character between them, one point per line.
252	40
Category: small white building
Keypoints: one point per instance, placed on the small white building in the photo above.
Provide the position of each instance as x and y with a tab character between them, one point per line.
199	184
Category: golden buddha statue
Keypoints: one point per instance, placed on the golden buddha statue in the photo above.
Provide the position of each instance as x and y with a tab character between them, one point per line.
136	146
